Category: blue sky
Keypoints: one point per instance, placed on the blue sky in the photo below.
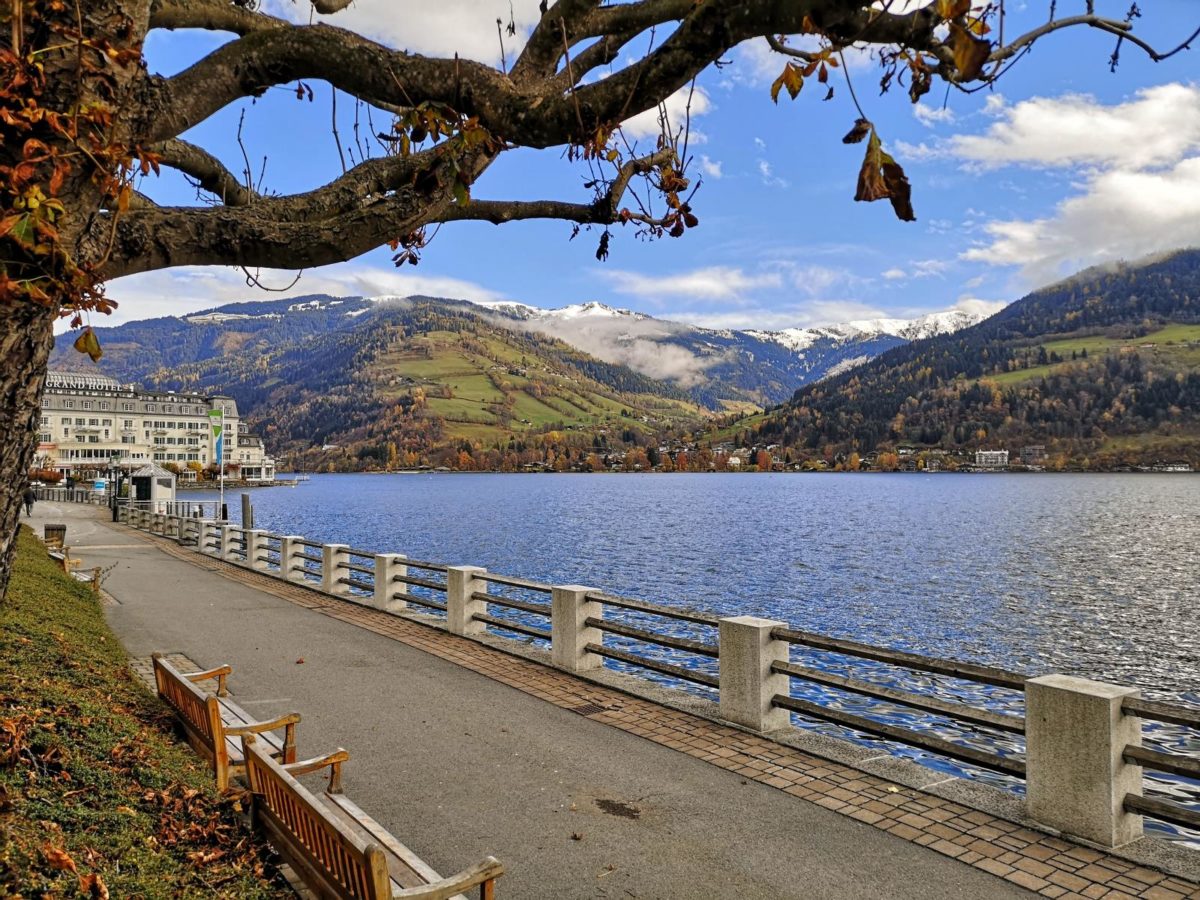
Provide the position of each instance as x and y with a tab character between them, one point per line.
1060	166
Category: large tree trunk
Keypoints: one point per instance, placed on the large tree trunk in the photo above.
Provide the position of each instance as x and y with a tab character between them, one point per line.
26	338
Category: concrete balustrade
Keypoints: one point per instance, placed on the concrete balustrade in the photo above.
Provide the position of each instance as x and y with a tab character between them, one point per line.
387	567
256	547
570	609
229	533
1076	732
461	607
1076	778
291	561
747	682
210	535
334	558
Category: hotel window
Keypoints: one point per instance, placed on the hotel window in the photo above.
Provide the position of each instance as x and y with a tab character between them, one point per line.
68	404
104	404
79	422
45	438
127	423
45	420
93	421
87	404
150	407
127	407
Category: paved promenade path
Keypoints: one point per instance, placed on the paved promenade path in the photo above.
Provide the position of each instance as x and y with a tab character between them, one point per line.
461	750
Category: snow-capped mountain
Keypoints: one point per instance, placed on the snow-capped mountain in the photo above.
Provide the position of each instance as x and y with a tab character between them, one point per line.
926	326
721	365
715	366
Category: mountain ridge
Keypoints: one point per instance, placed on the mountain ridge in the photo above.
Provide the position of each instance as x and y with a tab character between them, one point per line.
1101	369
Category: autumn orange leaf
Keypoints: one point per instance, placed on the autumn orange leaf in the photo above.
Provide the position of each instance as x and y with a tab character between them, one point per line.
970	53
88	343
58	859
93	885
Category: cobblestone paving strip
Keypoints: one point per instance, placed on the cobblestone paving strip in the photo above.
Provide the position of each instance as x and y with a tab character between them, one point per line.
1051	867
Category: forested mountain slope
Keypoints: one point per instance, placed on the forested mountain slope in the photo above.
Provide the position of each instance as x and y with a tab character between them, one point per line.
1104	369
354	383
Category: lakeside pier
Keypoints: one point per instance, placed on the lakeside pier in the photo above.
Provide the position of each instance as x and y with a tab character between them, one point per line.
660	798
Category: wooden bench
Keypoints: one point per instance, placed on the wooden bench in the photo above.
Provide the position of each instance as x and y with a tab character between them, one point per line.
336	848
215	724
91	578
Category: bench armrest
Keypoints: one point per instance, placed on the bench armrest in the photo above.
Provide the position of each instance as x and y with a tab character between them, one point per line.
334	760
220	673
288	723
482	874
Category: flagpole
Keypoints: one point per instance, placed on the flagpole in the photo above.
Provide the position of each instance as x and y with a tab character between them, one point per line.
221	461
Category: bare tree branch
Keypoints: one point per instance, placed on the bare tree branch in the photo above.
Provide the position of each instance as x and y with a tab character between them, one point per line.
211	15
605	210
208	171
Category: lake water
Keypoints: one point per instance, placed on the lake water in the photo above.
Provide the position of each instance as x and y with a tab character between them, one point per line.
1094	575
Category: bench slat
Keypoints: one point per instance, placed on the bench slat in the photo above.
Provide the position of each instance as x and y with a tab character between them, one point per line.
205	718
406	868
337	860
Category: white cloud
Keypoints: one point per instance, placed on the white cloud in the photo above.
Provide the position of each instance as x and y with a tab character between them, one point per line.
1135	178
466	27
1157	127
176	292
1120	215
815	312
769	178
675	108
637	343
710	167
895	274
932	115
755	64
814	280
715	283
978	307
927	268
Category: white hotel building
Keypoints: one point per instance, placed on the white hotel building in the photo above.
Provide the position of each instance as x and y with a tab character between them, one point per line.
92	422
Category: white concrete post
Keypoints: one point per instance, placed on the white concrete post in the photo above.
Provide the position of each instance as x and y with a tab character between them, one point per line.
747	682
208	531
290	562
387	566
171	526
1076	778
333	566
159	525
256	546
228	547
123	514
569	634
461	583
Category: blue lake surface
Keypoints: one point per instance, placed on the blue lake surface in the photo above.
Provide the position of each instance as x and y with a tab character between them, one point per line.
1092	575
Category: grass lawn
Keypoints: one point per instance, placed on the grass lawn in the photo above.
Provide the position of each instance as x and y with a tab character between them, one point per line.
460	410
98	797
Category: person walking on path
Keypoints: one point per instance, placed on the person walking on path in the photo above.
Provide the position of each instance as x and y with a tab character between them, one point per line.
29	496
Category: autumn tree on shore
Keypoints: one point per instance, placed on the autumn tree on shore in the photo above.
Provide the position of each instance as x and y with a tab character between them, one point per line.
81	118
